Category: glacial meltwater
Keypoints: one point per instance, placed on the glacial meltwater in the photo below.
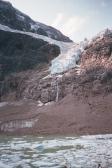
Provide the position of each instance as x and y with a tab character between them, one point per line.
56	152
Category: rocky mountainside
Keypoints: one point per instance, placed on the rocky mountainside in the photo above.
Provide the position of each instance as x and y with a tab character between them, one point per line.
53	87
15	19
93	75
76	101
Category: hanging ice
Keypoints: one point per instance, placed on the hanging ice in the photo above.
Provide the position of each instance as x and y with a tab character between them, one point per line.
70	55
70	52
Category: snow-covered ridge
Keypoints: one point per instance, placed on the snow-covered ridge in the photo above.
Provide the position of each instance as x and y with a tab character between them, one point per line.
61	44
70	52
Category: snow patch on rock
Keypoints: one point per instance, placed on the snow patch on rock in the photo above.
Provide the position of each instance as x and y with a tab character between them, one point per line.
34	27
2	104
20	17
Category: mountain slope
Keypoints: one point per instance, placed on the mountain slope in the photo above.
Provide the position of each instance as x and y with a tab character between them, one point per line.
77	101
13	18
49	86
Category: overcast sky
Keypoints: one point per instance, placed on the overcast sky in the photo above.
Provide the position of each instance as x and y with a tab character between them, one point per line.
75	18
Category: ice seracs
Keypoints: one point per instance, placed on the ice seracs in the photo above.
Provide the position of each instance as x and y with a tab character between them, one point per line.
69	57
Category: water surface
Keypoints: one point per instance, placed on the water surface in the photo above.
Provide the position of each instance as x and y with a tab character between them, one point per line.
56	152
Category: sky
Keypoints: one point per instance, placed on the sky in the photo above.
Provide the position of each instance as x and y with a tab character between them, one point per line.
77	19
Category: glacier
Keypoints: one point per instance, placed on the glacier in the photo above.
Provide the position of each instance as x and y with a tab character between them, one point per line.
69	57
70	51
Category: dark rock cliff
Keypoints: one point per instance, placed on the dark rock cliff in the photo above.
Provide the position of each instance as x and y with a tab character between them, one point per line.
19	52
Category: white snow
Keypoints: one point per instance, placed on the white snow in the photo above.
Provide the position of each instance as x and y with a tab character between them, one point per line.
45	38
34	27
40	103
20	17
70	52
2	104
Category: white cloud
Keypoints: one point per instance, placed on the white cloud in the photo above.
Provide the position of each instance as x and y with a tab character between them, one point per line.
68	25
72	25
58	19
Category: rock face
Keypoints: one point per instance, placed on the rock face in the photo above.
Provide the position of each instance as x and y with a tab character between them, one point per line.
15	19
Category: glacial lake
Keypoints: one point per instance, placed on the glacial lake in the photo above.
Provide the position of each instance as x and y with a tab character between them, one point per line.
56	152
